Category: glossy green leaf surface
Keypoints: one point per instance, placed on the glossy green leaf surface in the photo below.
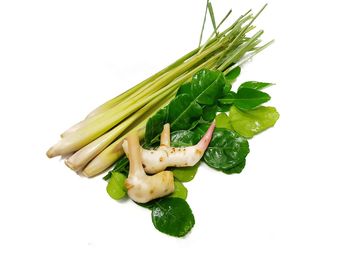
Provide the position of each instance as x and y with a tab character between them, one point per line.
232	75
184	138
207	86
247	99
172	216
226	150
236	169
254	85
186	108
249	123
228	99
209	112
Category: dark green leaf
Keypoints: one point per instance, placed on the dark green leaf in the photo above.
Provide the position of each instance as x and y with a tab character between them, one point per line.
184	89
209	112
249	123
227	88
154	125
182	112
228	99
226	150
185	111
254	85
233	74
185	174
172	216
184	138
207	86
236	169
247	99
223	108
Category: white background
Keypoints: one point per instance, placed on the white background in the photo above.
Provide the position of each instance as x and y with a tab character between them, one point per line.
60	59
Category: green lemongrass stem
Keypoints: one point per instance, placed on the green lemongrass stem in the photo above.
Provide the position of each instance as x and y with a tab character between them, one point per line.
212	34
240	51
112	153
212	18
129	93
112	102
106	159
243	31
77	140
148	84
214	47
146	91
248	57
203	25
81	158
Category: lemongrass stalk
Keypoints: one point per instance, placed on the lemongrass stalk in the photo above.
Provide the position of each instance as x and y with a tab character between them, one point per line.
203	25
212	18
170	72
100	124
146	91
107	158
240	51
129	93
112	153
248	57
81	158
242	31
75	141
112	102
212	34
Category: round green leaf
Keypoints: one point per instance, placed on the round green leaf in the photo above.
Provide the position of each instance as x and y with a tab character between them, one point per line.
172	216
226	150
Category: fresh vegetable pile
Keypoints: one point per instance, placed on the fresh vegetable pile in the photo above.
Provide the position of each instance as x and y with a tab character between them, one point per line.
173	113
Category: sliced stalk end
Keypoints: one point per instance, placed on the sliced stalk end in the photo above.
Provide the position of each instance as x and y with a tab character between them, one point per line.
52	152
